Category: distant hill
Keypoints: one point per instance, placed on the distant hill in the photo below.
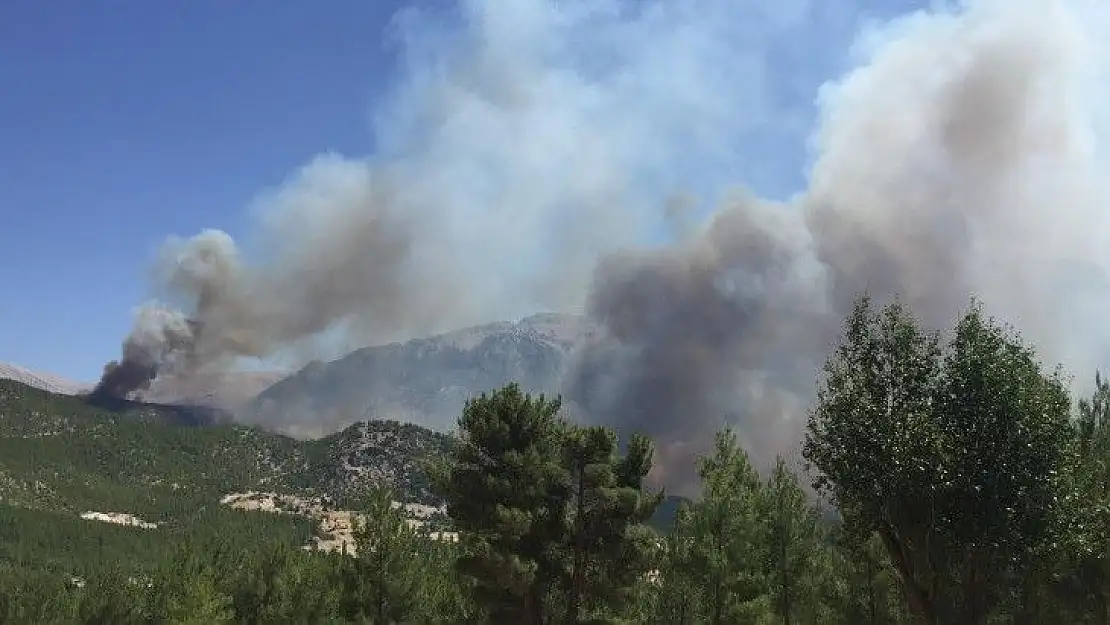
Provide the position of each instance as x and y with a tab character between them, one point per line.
424	381
61	453
44	381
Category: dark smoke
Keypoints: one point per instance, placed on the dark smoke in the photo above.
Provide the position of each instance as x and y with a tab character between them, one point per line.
159	338
698	335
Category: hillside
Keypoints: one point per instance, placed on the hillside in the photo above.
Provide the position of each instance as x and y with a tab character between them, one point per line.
87	487
60	453
424	381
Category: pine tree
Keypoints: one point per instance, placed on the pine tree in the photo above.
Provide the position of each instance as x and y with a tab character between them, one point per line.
386	562
727	547
609	545
506	491
551	515
792	538
680	596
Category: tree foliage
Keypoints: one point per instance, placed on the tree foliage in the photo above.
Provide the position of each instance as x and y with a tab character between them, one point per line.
551	516
953	456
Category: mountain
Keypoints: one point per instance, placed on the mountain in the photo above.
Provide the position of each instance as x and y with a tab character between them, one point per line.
424	381
44	381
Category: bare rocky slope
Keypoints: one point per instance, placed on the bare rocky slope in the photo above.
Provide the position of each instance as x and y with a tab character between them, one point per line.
422	381
40	380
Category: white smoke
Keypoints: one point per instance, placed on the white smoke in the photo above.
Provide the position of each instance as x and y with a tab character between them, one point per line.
538	154
524	140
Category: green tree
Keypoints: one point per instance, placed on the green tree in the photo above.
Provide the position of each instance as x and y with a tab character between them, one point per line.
28	596
1007	438
386	564
676	596
609	544
506	490
111	598
867	589
953	459
1081	571
874	441
282	583
402	573
445	594
552	517
793	547
197	601
727	549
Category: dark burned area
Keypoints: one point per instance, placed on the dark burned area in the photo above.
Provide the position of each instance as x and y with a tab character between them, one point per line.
171	414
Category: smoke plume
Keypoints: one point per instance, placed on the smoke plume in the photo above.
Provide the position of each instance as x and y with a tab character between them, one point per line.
641	159
958	159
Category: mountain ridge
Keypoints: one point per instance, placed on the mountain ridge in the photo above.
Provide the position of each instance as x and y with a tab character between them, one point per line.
425	380
42	380
422	380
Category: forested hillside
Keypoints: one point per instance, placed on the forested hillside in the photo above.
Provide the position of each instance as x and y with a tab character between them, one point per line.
61	453
958	483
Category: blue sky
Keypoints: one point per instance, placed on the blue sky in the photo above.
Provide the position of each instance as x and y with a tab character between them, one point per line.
124	122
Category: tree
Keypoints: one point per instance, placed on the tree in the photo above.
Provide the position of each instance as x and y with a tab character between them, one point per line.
1007	437
195	600
113	598
676	594
1084	565
386	561
607	507
36	597
506	491
727	549
550	514
793	545
953	459
868	592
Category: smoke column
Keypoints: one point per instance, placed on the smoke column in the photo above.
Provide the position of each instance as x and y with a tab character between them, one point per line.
646	159
960	158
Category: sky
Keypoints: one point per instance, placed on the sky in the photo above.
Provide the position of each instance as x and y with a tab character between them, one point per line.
123	123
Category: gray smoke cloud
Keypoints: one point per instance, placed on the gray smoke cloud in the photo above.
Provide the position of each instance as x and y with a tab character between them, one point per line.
958	159
541	155
721	330
523	141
